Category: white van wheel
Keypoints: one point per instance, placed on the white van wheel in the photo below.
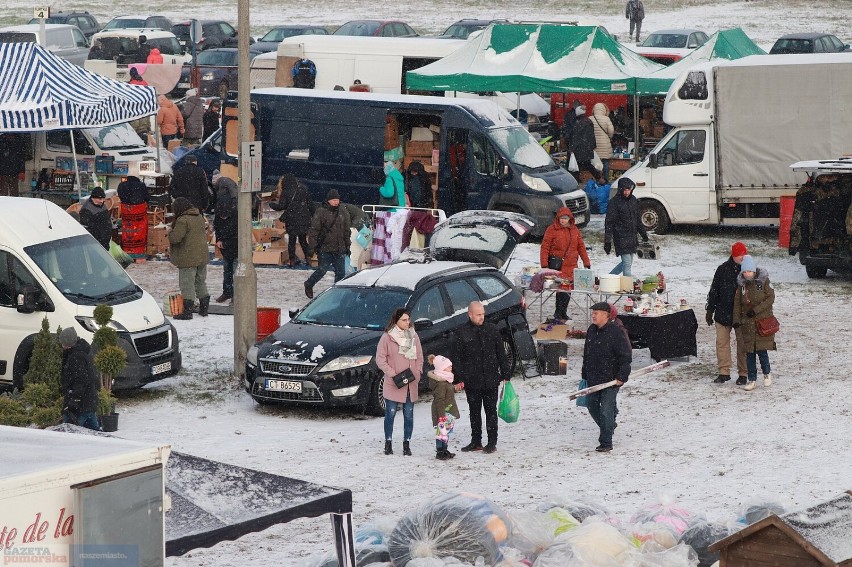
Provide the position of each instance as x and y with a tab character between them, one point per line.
654	216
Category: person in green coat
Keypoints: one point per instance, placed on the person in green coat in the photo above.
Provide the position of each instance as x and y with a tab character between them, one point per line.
753	301
393	191
188	251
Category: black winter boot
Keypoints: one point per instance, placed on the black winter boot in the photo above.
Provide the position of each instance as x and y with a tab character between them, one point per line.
388	448
203	305
406	450
187	311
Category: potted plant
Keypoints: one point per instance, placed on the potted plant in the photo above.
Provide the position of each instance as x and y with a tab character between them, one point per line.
109	360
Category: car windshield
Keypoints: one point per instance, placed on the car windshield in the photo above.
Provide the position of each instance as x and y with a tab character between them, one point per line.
116	137
358	28
670	40
516	144
125	23
278	34
82	270
462	31
218	58
793	45
359	307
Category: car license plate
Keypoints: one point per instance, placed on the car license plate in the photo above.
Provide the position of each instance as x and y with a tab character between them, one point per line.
183	85
284	386
160	368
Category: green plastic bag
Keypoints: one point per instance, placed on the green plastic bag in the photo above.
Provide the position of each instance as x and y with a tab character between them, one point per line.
509	406
120	255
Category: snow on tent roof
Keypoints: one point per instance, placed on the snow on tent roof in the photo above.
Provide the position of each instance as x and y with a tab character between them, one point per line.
536	58
724	44
40	91
828	526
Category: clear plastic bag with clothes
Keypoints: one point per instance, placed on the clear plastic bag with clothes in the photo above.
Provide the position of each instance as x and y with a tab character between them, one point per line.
598	543
758	509
513	558
578	507
702	535
564	520
678	556
667	512
651	535
462	526
533	532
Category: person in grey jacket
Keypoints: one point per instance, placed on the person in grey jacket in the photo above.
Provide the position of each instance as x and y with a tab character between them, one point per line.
621	226
193	118
635	12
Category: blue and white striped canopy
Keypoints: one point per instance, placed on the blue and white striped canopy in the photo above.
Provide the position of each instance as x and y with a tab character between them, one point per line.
39	91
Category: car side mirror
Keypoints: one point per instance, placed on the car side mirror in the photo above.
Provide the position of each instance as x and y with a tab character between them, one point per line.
28	299
422	324
293	312
652	161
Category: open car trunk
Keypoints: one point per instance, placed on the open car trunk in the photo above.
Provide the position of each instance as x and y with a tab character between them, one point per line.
487	237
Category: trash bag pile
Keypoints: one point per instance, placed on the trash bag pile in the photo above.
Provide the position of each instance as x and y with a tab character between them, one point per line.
467	530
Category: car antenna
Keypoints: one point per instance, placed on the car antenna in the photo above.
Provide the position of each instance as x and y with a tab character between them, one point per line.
47	212
380	275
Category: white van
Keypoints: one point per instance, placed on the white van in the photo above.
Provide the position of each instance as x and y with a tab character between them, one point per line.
51	267
51	150
63	40
379	63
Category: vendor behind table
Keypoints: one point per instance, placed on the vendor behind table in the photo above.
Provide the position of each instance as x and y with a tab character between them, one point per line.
561	248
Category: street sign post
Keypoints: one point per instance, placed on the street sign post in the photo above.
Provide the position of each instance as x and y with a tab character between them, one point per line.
250	167
41	13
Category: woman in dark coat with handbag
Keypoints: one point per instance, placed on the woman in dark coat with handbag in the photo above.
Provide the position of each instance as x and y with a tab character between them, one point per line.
752	304
298	208
399	349
561	248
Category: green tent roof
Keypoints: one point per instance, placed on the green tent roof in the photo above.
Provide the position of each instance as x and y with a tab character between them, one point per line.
536	58
724	44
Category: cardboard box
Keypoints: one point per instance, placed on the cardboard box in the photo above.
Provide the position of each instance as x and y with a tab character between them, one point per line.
270	256
422	149
421	134
173	145
552	331
262	235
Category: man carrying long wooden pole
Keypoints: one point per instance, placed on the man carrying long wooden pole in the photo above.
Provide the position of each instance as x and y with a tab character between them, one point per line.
607	355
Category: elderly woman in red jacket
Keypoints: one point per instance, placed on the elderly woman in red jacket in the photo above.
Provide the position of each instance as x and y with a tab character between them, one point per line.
399	349
561	248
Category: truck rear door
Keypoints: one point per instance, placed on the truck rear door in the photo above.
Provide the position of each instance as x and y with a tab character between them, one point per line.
683	173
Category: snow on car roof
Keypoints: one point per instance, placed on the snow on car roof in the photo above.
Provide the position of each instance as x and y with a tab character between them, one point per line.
401	274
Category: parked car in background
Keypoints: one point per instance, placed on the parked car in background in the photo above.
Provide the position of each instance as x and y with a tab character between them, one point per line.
83	20
667	46
325	354
276	35
63	40
139	23
463	28
122	46
214	33
214	66
808	43
377	28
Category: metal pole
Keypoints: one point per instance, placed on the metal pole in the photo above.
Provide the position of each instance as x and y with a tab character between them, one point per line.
635	127
245	277
76	168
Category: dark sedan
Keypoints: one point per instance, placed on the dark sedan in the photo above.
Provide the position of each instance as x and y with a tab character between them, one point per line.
376	28
326	353
808	43
276	35
214	67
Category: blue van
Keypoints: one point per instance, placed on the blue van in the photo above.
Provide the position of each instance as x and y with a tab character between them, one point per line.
479	156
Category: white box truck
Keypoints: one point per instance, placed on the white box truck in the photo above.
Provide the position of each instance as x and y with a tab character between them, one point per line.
736	127
51	267
81	500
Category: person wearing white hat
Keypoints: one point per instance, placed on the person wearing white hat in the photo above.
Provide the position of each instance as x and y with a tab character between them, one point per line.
752	304
193	118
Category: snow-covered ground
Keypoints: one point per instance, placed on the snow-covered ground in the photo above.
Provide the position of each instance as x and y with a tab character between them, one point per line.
713	448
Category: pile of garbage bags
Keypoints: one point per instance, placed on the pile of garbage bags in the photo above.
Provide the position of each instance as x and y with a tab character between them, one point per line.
467	530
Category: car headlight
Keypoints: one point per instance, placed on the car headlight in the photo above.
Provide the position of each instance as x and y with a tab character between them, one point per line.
251	355
535	183
346	362
89	324
343	392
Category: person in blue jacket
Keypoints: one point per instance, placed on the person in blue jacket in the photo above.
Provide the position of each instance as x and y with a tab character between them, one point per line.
606	357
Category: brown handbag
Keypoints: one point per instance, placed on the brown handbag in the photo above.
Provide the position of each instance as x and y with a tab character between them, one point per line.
768	326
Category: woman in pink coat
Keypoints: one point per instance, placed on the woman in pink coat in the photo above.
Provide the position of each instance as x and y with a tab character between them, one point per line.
399	348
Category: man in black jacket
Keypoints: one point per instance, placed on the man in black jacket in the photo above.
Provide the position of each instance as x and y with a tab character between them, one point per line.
622	225
95	217
606	357
479	364
226	229
190	182
79	380
582	143
720	309
330	237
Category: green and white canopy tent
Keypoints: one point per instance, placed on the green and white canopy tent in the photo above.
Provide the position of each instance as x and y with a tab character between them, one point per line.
543	58
724	44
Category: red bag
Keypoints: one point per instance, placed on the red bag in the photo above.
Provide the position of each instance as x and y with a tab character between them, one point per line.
768	326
